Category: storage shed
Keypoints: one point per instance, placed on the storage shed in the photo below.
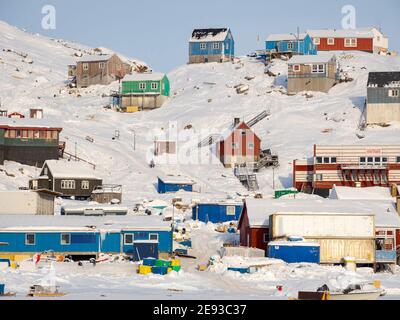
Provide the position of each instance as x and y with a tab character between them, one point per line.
82	236
170	183
217	211
312	73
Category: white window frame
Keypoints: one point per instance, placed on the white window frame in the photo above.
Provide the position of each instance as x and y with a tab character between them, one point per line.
203	46
229	209
394	93
317	41
296	68
318	69
69	239
68	184
330	41
142	85
102	65
350	42
129	234
319	177
85	66
154	86
153	234
85	184
227	46
26	239
216	46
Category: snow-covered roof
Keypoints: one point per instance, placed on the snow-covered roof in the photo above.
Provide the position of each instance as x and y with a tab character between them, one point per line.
89	206
384	79
210	34
9	223
71	169
259	210
318	58
284	243
370	193
24	122
94	58
155	76
341	33
286	37
176	179
222	202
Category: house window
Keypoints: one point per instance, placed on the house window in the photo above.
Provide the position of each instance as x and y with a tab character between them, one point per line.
65	239
398	159
394	93
154	85
67	184
290	45
350	42
153	236
128	238
251	145
362	160
319	159
230	210
85	185
45	171
265	237
142	86
85	66
234	145
333	160
216	45
296	68
102	65
227	46
318	68
326	160
318	177
331	41
30	239
25	134
317	41
203	46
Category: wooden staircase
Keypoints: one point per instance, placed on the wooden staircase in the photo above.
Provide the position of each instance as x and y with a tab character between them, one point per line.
247	177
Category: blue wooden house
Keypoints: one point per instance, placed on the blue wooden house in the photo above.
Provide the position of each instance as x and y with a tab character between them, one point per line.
211	45
137	236
290	44
216	212
168	184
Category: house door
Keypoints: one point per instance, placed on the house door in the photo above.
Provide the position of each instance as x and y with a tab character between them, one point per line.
145	249
205	59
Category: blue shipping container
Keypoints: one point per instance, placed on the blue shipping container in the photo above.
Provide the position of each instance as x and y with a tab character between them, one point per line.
159	270
294	251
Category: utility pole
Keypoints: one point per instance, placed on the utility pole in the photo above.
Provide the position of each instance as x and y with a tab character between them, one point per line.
273	178
76	154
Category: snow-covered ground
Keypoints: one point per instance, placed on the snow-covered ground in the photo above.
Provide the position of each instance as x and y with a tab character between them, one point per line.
204	97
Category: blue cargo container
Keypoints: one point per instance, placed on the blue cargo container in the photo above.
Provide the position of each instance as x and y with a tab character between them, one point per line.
294	251
216	212
150	262
159	270
171	184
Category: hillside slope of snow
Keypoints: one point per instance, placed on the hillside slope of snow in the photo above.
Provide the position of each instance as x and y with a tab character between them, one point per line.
202	96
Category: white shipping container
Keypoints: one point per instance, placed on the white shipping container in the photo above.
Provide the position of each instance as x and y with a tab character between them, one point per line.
323	225
25	202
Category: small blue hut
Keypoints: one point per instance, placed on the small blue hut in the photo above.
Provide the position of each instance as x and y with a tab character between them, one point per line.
168	184
216	212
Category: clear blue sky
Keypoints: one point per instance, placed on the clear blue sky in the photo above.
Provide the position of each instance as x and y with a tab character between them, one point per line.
157	31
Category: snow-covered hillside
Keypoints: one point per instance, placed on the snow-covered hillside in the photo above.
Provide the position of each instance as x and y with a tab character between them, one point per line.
202	96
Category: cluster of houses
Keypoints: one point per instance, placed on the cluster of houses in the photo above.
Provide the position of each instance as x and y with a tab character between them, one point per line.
359	218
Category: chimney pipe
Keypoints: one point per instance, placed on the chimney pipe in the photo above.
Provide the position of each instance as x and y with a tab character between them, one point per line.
236	121
398	204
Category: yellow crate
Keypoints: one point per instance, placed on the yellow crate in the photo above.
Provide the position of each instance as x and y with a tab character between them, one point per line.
131	109
175	263
202	267
144	269
14	265
169	270
377	284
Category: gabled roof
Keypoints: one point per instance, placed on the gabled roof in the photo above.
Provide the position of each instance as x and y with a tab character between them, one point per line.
70	169
156	76
228	133
369	193
342	33
210	34
318	58
384	79
259	210
286	37
94	58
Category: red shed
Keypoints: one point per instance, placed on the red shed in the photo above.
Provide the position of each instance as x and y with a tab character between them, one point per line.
240	146
254	224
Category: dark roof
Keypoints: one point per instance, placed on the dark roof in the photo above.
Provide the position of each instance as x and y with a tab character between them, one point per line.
382	79
201	33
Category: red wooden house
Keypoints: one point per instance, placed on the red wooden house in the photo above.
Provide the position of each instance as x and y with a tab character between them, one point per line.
363	39
241	145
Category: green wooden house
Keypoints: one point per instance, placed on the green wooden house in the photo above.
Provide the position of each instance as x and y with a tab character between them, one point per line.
141	91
